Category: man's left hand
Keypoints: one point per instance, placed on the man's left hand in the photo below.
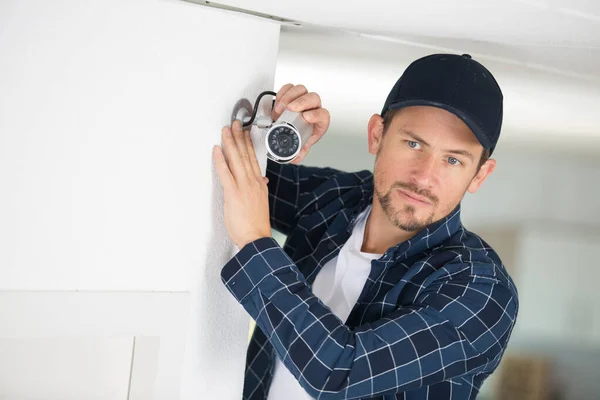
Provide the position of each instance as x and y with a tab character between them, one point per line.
245	190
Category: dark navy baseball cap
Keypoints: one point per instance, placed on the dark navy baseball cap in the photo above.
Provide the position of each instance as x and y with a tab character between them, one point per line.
455	83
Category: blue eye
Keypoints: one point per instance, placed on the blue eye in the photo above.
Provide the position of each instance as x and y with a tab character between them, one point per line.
412	144
453	161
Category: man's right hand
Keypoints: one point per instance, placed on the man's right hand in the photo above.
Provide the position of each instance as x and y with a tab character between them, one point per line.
298	99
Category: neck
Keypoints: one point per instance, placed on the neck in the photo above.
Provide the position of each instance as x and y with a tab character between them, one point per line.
380	234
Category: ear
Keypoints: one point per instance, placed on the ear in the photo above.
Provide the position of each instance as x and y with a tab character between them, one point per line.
375	133
486	169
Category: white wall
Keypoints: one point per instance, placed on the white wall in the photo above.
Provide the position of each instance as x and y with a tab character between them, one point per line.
111	214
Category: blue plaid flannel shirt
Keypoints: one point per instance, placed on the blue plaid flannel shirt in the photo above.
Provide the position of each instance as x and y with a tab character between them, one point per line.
432	321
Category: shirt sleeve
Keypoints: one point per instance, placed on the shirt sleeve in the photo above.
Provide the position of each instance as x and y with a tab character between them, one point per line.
288	184
455	327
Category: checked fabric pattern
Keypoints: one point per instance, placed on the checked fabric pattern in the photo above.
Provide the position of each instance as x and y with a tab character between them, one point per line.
432	321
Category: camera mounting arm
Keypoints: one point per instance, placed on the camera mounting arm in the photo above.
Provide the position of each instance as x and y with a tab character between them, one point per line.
244	112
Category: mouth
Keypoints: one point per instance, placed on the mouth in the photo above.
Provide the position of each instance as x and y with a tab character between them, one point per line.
414	198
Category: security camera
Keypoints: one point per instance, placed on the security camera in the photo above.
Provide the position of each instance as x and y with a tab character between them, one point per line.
285	137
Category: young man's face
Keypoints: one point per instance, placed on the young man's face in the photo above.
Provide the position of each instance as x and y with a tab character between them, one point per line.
425	162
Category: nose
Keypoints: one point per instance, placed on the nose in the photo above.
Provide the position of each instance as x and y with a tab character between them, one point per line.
424	172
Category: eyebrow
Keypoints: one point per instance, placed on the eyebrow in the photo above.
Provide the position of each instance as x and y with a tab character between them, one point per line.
417	138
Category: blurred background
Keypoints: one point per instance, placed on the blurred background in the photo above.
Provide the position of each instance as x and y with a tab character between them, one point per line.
539	209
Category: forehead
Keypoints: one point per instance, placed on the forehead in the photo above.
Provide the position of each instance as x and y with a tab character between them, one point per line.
435	125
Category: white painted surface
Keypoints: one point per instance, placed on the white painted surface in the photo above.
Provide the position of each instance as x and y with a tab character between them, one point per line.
65	368
106	138
530	22
111	213
560	35
144	367
86	315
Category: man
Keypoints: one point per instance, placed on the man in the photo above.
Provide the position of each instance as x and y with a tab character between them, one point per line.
379	291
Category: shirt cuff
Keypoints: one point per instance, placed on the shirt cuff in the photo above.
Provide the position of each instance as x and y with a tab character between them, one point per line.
252	264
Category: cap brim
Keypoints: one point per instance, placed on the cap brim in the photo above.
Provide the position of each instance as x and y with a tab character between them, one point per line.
466	118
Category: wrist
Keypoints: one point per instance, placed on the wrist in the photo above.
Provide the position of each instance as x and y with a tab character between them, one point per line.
251	239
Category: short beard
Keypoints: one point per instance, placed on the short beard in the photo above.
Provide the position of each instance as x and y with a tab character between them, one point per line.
405	218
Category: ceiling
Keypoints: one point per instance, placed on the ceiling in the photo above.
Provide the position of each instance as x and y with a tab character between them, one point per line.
556	35
516	22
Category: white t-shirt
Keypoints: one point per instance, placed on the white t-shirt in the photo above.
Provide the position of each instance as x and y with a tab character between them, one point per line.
338	285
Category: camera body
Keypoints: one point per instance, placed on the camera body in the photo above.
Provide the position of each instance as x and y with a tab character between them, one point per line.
285	137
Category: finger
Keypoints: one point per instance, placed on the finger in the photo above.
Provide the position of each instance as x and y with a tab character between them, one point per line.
320	119
232	153
298	159
252	155
306	102
284	89
289	96
311	140
222	168
265	180
240	141
305	149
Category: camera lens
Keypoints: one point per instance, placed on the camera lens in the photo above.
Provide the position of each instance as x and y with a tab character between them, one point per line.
283	141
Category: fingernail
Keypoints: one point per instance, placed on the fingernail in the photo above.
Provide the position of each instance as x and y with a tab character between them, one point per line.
279	108
228	132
